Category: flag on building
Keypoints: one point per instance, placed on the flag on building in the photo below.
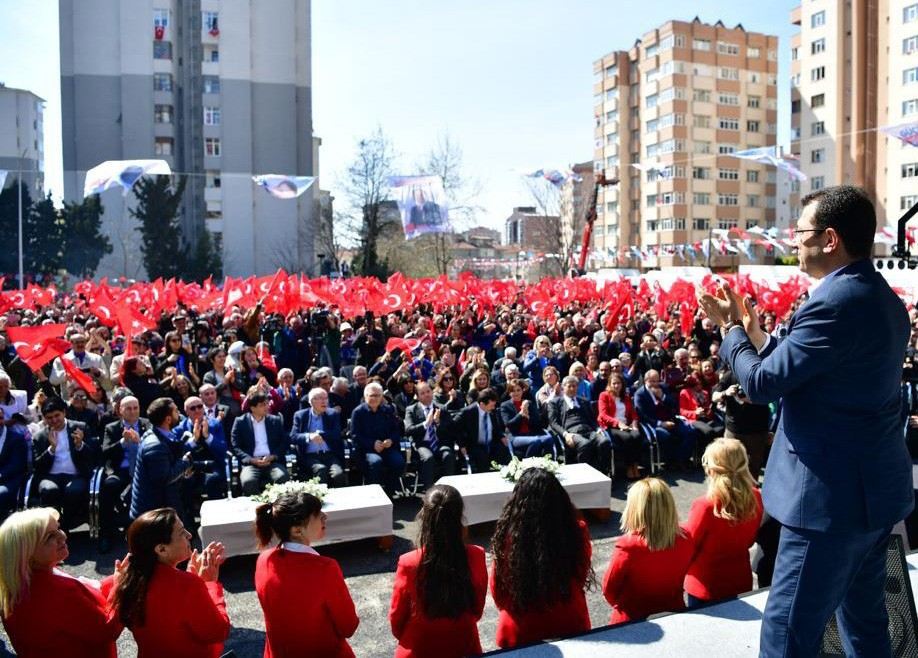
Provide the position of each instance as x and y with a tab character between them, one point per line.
122	173
284	187
422	204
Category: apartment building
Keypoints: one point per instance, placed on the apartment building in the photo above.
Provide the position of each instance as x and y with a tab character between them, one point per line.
679	102
854	68
221	91
576	195
22	138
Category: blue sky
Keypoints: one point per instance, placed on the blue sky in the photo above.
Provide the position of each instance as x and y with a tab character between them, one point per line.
509	81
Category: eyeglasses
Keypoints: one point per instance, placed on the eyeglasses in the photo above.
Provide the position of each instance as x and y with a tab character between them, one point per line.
195	407
797	231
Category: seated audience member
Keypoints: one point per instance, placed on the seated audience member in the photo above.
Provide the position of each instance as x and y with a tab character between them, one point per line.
446	395
14	465
524	423
284	399
744	420
204	437
440	587
82	410
13	403
550	389
658	409
480	433
579	371
424	425
377	433
650	559
62	460
214	409
601	381
339	397
695	407
93	364
170	611
618	417
297	625
260	445
571	418
316	437
136	377
537	360
723	524
120	446
45	611
541	566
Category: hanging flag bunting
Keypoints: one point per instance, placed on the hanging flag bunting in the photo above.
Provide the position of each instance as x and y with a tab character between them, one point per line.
422	204
122	173
554	176
769	155
284	187
655	167
907	132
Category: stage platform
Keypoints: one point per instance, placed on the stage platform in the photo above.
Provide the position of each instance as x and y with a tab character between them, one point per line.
725	630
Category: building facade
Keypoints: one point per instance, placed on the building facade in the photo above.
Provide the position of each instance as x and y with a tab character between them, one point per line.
222	91
854	68
576	195
678	103
22	139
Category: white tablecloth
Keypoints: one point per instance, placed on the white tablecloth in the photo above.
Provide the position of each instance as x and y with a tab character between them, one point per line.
353	513
484	494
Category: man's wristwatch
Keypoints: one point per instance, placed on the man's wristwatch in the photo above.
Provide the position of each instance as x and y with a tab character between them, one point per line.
725	328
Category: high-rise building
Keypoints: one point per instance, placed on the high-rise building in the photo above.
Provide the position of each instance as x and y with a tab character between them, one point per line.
220	90
678	103
22	141
576	194
854	68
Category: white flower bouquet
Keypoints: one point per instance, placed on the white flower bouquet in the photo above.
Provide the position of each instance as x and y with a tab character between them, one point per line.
512	471
274	491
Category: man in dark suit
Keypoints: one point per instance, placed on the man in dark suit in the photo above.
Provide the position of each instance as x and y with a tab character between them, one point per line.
63	459
658	408
377	433
480	433
260	444
316	437
424	423
651	357
214	410
839	475
120	446
571	418
204	438
13	466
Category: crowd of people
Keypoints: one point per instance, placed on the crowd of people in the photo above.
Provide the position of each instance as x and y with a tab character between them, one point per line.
210	402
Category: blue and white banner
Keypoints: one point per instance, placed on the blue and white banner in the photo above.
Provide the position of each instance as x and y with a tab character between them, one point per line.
907	132
554	176
122	173
284	187
3	173
422	204
769	155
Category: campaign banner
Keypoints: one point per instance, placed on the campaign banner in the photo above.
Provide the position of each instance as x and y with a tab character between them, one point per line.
422	204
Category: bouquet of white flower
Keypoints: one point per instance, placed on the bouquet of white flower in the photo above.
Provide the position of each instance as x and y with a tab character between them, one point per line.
512	471
273	491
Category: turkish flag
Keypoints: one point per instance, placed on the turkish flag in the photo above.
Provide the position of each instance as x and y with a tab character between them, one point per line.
159	32
80	377
266	358
103	306
132	322
407	345
36	346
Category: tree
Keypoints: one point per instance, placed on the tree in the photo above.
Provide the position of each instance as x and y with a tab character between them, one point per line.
43	238
547	198
9	224
84	244
205	259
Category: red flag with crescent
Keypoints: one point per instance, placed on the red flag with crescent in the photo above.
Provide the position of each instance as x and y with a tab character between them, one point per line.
36	346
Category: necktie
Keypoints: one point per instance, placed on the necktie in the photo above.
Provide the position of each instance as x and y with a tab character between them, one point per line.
431	434
485	430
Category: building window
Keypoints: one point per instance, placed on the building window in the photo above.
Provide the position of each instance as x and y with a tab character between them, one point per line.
818	73
652	224
795	106
728	199
818	46
818	100
817	128
163	146
908	201
211	116
701	96
752	126
701	173
726	48
910	45
651	101
701	199
728	73
701	121
162	82
612	115
162	114
818	19
611	94
752	176
211	54
728	99
753	53
700	224
909	107
817	156
611	70
794	54
728	174
727	224
612	206
910	76
726	149
910	13
702	147
211	84
701	44
753	102
752	200
161	18
212	147
651	200
210	21
212	178
910	170
162	50
817	183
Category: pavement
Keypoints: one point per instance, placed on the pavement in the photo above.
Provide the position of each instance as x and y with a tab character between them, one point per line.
369	573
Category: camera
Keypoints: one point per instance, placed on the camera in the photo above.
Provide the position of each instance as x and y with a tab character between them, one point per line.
740	393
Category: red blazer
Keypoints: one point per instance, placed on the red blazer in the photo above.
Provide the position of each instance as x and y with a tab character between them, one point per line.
308	609
184	617
721	567
688	404
62	616
420	636
640	582
566	617
606	416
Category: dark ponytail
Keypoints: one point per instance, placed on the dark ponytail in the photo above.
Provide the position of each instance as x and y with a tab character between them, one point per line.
288	511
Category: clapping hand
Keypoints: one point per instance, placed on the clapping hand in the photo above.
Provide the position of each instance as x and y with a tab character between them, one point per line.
121	567
722	307
130	434
77	438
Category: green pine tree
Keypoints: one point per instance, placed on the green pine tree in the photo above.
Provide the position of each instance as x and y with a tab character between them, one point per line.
84	244
205	259
43	239
9	224
162	247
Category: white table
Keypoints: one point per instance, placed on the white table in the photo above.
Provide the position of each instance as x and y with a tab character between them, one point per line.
484	494
353	513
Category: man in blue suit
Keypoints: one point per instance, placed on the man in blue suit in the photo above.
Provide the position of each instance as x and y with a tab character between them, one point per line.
316	436
13	466
204	437
839	475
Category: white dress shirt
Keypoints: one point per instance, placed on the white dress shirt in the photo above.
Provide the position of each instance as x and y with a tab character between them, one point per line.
262	449
63	460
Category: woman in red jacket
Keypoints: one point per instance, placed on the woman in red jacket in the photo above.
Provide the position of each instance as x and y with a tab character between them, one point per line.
46	612
618	417
541	567
723	523
649	561
440	587
171	612
308	609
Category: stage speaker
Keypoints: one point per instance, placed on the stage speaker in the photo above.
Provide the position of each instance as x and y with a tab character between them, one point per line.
903	620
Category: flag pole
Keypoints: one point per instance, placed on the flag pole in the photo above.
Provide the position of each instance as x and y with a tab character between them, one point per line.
21	277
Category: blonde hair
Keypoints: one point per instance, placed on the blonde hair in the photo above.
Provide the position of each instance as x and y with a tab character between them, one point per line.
650	511
730	484
20	536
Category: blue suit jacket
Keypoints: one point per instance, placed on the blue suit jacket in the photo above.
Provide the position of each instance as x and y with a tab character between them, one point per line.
243	438
14	464
215	451
158	474
647	409
839	461
331	432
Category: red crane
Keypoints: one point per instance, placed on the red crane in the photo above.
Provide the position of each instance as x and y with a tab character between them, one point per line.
590	219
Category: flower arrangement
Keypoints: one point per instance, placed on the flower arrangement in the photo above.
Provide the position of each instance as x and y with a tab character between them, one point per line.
512	471
273	491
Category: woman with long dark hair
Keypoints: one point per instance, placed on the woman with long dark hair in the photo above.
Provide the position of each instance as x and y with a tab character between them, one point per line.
170	612
135	377
618	417
542	551
440	587
178	353
308	609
